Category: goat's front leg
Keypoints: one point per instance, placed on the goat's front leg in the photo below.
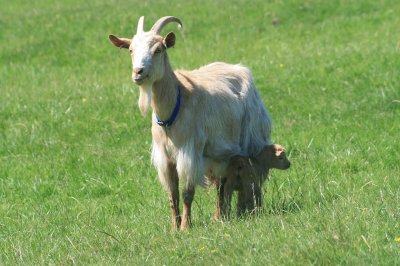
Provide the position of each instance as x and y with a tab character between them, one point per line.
249	198
172	184
256	197
187	196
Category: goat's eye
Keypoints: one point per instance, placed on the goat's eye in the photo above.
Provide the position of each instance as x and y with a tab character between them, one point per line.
157	51
131	51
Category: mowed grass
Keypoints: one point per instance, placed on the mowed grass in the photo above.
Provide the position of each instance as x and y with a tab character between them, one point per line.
76	182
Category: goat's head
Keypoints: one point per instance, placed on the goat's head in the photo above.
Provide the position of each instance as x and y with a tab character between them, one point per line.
148	50
275	156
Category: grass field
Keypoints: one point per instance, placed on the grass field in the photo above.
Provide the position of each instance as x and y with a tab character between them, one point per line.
76	182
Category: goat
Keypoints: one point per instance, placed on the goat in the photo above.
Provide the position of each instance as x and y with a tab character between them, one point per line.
200	118
247	174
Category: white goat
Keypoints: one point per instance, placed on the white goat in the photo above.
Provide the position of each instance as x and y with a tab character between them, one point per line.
201	118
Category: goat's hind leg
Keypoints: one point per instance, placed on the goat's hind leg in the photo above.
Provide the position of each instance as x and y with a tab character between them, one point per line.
220	183
228	188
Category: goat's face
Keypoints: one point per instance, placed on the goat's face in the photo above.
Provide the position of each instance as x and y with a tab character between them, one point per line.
276	156
148	51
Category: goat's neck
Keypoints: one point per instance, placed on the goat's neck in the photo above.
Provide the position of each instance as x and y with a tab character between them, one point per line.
261	168
261	165
164	93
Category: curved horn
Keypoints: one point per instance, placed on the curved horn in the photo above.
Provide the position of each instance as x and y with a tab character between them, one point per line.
140	25
157	27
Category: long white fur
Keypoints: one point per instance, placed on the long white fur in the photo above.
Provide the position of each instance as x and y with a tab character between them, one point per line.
223	116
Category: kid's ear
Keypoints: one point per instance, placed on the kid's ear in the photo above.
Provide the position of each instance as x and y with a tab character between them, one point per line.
169	40
278	149
120	42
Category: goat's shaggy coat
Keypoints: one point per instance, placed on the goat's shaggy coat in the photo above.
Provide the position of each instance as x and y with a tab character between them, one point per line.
221	115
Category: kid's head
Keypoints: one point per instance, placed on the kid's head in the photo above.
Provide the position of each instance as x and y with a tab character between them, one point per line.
276	156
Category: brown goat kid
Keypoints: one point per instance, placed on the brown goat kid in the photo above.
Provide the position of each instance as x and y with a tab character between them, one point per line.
247	174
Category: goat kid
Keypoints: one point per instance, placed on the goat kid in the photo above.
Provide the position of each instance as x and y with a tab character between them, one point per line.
247	174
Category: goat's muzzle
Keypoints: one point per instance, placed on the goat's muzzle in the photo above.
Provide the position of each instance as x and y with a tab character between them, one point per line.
139	78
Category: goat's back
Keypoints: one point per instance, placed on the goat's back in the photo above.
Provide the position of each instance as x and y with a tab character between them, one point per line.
234	103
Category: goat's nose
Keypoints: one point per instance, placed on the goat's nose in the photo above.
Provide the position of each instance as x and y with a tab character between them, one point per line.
138	70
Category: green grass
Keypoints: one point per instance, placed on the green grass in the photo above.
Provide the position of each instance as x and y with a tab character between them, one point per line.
76	183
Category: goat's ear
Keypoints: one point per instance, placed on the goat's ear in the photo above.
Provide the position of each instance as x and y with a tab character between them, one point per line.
278	149
120	42
169	40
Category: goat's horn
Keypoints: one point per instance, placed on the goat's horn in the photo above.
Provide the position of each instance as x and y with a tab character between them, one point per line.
140	25
157	27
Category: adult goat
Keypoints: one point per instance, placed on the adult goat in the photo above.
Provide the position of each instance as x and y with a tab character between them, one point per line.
201	118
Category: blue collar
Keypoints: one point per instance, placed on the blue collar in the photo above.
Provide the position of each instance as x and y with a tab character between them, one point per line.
172	118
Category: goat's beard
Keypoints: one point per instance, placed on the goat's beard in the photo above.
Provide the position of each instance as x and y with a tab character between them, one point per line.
144	98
